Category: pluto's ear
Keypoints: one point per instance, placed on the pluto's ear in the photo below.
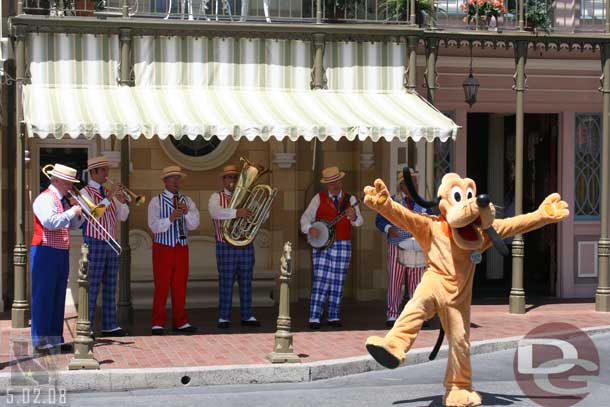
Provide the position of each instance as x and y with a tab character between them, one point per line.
406	173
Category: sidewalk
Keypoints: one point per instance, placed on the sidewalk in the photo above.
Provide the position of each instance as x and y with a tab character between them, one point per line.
248	347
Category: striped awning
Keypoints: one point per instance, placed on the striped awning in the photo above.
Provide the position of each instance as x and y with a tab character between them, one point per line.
59	111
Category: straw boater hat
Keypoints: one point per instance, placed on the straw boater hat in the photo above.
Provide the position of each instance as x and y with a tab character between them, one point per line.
100	162
171	171
63	172
331	174
229	170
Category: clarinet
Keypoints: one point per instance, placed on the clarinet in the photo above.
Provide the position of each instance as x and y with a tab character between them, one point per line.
181	232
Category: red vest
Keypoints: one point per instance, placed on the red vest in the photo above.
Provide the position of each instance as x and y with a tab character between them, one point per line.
58	239
328	212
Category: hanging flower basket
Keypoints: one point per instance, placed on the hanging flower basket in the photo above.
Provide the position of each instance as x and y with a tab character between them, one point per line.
483	14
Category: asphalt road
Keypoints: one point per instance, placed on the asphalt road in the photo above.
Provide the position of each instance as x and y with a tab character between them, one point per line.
409	386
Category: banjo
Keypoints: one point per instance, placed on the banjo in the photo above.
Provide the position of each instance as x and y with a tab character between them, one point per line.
326	230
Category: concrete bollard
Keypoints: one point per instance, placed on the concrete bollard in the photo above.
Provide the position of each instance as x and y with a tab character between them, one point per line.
282	349
83	343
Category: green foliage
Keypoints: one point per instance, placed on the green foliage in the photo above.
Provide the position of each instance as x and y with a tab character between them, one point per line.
539	14
398	9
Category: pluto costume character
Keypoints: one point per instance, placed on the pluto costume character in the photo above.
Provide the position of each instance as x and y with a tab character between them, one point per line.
451	243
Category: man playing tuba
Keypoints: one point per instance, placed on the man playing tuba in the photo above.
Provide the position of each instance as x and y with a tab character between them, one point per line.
232	262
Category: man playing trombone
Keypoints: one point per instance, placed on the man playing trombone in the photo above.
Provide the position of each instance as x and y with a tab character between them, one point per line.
103	260
170	216
49	255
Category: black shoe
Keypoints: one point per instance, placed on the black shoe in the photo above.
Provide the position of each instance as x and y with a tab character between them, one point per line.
335	324
117	333
187	330
66	348
224	325
158	331
254	323
314	325
390	323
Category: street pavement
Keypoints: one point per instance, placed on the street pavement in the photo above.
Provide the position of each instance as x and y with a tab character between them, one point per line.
419	385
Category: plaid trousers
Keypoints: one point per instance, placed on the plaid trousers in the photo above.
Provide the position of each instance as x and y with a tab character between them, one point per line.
234	263
329	270
103	270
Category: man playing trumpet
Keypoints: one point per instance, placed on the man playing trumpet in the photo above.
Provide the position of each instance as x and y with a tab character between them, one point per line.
103	261
54	215
170	216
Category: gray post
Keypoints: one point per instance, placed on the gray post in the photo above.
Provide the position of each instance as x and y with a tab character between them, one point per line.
411	68
83	344
318	11
602	294
318	81
412	13
517	293
124	9
282	349
431	86
125	307
521	11
20	307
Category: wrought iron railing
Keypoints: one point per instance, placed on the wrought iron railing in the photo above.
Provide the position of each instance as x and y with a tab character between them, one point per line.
562	15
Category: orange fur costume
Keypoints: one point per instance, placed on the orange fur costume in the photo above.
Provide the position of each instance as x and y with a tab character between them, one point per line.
446	287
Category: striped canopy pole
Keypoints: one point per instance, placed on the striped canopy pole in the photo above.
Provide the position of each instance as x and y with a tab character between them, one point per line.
20	307
125	307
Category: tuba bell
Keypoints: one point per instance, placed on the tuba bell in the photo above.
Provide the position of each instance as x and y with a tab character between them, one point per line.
258	199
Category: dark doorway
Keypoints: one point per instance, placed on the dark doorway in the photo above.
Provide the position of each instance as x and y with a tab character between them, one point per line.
493	277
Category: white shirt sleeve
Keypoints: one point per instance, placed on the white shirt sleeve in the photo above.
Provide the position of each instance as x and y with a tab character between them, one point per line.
122	210
46	212
218	212
155	223
359	220
191	218
309	216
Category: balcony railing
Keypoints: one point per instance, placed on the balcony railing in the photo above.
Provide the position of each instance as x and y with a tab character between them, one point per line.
563	15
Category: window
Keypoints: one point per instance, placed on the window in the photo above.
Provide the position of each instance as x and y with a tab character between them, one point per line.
196	148
587	148
593	9
74	157
199	154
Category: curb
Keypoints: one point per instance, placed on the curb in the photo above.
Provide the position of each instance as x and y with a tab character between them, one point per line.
113	380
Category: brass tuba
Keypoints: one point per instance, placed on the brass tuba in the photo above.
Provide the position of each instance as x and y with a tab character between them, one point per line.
258	199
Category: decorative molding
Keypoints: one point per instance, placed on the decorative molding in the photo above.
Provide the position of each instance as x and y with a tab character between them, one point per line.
215	159
367	160
586	257
284	160
263	239
139	239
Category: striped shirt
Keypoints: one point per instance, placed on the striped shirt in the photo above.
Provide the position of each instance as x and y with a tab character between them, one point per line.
223	202
115	211
166	232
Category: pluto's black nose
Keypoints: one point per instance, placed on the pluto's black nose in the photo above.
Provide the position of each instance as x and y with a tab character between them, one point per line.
483	201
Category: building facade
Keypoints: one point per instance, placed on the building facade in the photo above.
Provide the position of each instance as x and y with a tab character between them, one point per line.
561	133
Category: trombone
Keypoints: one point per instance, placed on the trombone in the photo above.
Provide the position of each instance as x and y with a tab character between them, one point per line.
91	212
130	196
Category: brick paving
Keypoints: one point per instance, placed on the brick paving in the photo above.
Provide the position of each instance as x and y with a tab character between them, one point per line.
238	345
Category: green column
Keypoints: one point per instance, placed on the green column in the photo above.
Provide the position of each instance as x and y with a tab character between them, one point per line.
20	307
318	79
125	307
412	13
431	86
602	294
521	5
517	293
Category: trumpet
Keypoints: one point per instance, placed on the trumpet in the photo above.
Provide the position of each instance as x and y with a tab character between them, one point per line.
130	196
91	212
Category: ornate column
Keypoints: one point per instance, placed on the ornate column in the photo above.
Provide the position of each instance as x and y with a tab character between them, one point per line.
517	293
318	81
412	13
431	86
410	77
20	307
521	11
602	294
125	307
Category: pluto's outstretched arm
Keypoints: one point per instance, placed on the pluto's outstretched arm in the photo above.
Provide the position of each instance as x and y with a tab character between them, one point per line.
551	210
378	198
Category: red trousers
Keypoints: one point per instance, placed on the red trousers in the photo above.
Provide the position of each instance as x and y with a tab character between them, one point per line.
170	269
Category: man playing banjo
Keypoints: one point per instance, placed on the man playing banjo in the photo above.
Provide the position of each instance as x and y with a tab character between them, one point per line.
404	254
331	259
